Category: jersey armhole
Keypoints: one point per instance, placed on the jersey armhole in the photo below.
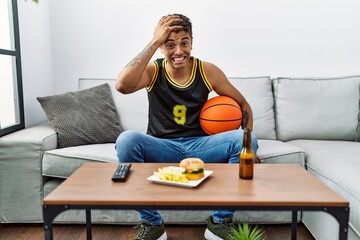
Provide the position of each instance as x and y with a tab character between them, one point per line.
203	75
154	77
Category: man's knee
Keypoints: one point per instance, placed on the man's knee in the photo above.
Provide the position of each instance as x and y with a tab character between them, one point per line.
128	137
128	145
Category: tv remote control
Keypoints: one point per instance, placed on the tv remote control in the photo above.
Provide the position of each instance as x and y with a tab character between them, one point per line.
122	171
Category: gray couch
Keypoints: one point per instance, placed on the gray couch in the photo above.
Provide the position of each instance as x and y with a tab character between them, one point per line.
306	121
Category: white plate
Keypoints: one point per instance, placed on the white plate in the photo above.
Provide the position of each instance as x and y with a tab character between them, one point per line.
190	184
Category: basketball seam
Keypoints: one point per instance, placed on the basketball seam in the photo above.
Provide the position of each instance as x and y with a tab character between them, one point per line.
222	104
226	120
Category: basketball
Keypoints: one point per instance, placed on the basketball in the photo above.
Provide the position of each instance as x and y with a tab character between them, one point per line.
220	114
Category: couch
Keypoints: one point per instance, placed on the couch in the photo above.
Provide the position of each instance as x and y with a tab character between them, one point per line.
313	122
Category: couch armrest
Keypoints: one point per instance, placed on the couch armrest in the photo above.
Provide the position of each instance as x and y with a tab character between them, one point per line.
21	188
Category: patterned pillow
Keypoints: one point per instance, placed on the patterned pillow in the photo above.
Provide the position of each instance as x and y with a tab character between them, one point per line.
83	117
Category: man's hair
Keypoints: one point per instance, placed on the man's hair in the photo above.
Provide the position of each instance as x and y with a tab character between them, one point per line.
184	24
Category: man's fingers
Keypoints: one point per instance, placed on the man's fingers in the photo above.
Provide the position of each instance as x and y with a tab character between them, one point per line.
169	19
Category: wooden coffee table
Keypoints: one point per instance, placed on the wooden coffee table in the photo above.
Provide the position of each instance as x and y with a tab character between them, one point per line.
282	187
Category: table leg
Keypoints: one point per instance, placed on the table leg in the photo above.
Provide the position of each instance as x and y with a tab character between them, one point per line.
342	216
88	224
48	233
294	225
49	214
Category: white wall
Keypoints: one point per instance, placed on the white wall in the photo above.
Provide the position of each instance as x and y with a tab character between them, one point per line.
35	43
92	38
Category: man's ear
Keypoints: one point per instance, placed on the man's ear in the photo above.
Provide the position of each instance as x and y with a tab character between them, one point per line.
161	49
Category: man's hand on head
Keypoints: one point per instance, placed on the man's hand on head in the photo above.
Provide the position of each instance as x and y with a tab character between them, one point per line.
165	26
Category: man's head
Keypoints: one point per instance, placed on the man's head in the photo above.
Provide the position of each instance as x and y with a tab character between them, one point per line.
184	24
177	48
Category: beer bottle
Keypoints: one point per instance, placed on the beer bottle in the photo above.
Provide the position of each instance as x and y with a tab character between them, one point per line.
246	161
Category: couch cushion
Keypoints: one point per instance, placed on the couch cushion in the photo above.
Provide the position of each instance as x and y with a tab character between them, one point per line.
83	117
61	163
132	108
273	151
316	108
337	164
258	92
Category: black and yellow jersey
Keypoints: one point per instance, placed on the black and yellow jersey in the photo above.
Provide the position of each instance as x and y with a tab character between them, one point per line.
174	109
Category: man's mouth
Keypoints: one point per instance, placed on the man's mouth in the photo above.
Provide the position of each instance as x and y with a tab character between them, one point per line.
178	60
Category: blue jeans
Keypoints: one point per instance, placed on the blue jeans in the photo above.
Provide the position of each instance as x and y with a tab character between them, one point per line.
134	146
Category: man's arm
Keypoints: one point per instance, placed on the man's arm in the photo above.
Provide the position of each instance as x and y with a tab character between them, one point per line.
222	86
138	72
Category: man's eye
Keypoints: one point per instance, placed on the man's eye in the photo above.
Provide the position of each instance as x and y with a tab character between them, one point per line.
185	44
170	45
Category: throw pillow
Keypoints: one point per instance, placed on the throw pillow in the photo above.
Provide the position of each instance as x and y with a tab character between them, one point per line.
84	117
316	108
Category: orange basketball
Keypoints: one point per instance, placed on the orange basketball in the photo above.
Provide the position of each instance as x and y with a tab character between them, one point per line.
220	114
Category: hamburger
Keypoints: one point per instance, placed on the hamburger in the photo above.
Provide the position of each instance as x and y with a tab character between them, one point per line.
194	168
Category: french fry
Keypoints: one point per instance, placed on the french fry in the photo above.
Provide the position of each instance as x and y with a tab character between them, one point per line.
171	174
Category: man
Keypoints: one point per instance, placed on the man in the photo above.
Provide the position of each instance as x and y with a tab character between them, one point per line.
178	86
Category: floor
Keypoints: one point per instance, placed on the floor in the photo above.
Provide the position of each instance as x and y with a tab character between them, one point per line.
126	232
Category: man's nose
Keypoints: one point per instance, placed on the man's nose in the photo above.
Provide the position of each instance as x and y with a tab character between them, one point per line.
178	49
